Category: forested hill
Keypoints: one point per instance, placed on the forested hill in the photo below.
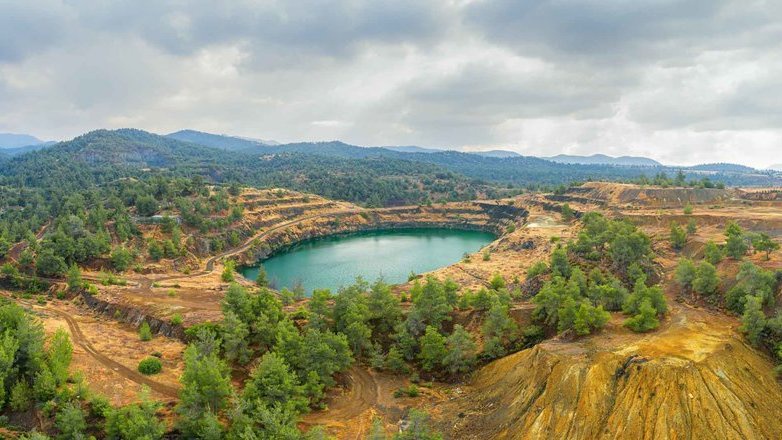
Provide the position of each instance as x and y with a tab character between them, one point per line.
515	170
374	176
104	156
222	142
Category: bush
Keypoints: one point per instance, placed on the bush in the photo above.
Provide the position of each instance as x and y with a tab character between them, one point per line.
410	391
121	259
539	268
497	282
645	320
176	319
712	253
21	396
706	281
150	365
99	406
70	421
144	332
228	271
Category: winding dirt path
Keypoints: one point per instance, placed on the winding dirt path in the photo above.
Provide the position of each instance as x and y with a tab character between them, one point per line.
128	373
77	336
361	395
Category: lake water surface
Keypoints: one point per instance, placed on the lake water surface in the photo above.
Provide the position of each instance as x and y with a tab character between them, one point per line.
335	261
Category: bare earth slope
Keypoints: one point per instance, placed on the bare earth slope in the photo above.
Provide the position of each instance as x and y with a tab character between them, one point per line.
694	379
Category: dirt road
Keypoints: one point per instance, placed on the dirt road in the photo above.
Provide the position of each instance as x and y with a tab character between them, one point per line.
348	412
78	338
128	373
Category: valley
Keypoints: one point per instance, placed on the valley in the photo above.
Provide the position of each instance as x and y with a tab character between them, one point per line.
591	310
692	365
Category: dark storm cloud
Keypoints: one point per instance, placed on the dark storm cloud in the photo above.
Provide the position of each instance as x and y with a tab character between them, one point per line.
331	28
637	32
27	27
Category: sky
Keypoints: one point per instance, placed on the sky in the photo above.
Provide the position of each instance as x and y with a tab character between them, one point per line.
683	82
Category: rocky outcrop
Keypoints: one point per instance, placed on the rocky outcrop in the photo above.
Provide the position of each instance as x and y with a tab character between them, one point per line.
133	316
482	216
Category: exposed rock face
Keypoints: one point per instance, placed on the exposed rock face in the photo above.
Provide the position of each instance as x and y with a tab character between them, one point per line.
484	216
134	316
694	380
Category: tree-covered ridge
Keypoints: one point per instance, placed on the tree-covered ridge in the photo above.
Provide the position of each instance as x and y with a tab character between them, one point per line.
515	169
104	156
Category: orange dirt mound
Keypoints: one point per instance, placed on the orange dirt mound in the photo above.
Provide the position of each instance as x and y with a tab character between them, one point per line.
695	378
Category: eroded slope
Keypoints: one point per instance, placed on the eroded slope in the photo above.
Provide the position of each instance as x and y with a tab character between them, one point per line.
694	379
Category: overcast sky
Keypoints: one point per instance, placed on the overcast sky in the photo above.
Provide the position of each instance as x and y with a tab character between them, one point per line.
680	81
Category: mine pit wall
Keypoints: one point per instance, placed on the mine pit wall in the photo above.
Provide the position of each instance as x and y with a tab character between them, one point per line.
134	316
478	216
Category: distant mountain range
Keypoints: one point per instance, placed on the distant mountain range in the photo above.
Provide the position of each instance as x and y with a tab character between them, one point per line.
602	159
221	141
12	144
776	167
12	140
500	166
497	153
412	149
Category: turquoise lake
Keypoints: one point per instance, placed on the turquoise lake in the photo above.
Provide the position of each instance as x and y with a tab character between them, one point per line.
335	261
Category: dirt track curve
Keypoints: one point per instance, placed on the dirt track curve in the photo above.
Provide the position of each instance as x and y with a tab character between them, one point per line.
128	373
362	394
78	337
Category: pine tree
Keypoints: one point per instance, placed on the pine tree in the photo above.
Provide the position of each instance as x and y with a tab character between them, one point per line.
706	281
645	320
685	274
460	356
432	349
753	321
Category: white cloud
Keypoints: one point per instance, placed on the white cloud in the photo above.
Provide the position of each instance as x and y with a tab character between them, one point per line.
679	81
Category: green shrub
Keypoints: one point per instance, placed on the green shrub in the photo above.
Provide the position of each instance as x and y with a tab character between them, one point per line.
176	319
539	268
150	365
228	271
410	391
144	332
21	396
